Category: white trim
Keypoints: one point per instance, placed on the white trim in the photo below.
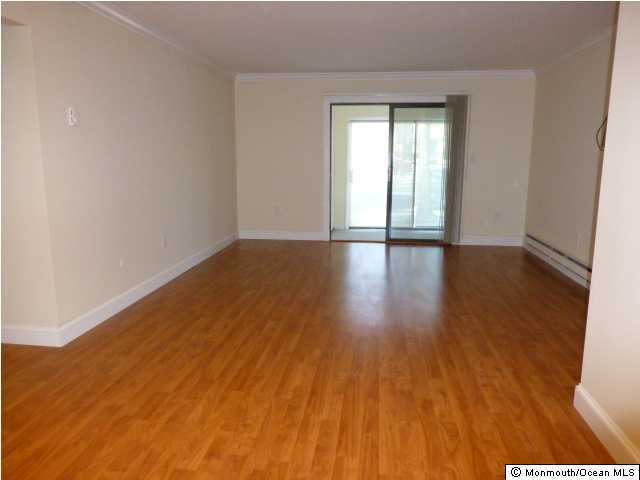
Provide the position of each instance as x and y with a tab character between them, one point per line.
438	74
107	11
610	434
327	147
607	33
60	336
490	240
575	272
40	336
282	235
366	98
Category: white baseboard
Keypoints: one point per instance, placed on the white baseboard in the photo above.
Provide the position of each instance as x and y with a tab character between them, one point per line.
489	240
40	336
60	336
572	270
610	434
282	235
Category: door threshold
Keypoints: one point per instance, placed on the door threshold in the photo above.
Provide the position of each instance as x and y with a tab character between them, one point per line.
415	243
359	241
422	243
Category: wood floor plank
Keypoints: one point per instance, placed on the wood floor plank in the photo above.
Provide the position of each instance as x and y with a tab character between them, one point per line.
301	360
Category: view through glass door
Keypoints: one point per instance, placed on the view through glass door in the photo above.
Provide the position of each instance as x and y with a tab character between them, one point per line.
417	184
359	171
390	184
368	166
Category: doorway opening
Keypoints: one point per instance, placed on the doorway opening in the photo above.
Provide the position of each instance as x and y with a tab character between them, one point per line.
396	171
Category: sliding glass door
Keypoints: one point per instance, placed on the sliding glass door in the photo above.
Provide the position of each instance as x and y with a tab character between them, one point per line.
396	171
416	198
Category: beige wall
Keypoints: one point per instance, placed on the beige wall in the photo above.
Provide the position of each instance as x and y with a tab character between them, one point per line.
342	115
28	290
571	100
611	362
152	155
280	149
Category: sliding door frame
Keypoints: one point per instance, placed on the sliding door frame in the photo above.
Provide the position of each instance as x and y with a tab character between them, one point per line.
388	99
392	107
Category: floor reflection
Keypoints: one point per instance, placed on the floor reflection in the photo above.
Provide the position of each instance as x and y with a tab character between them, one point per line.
375	285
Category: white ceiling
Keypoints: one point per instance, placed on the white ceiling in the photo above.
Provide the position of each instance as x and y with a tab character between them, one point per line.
306	37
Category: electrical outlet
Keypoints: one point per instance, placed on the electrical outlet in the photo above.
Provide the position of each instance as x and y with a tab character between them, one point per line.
163	241
121	262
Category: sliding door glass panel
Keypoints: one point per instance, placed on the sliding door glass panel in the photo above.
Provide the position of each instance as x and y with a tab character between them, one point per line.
403	182
367	177
429	178
418	174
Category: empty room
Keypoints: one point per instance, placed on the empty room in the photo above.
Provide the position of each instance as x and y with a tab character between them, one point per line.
322	240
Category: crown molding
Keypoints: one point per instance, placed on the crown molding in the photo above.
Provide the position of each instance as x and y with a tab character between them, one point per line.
605	35
248	77
103	9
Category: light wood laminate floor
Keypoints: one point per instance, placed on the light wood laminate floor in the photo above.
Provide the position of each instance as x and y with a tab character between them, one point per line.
313	360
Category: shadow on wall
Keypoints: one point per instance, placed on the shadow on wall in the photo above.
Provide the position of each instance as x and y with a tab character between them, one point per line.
602	144
28	289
